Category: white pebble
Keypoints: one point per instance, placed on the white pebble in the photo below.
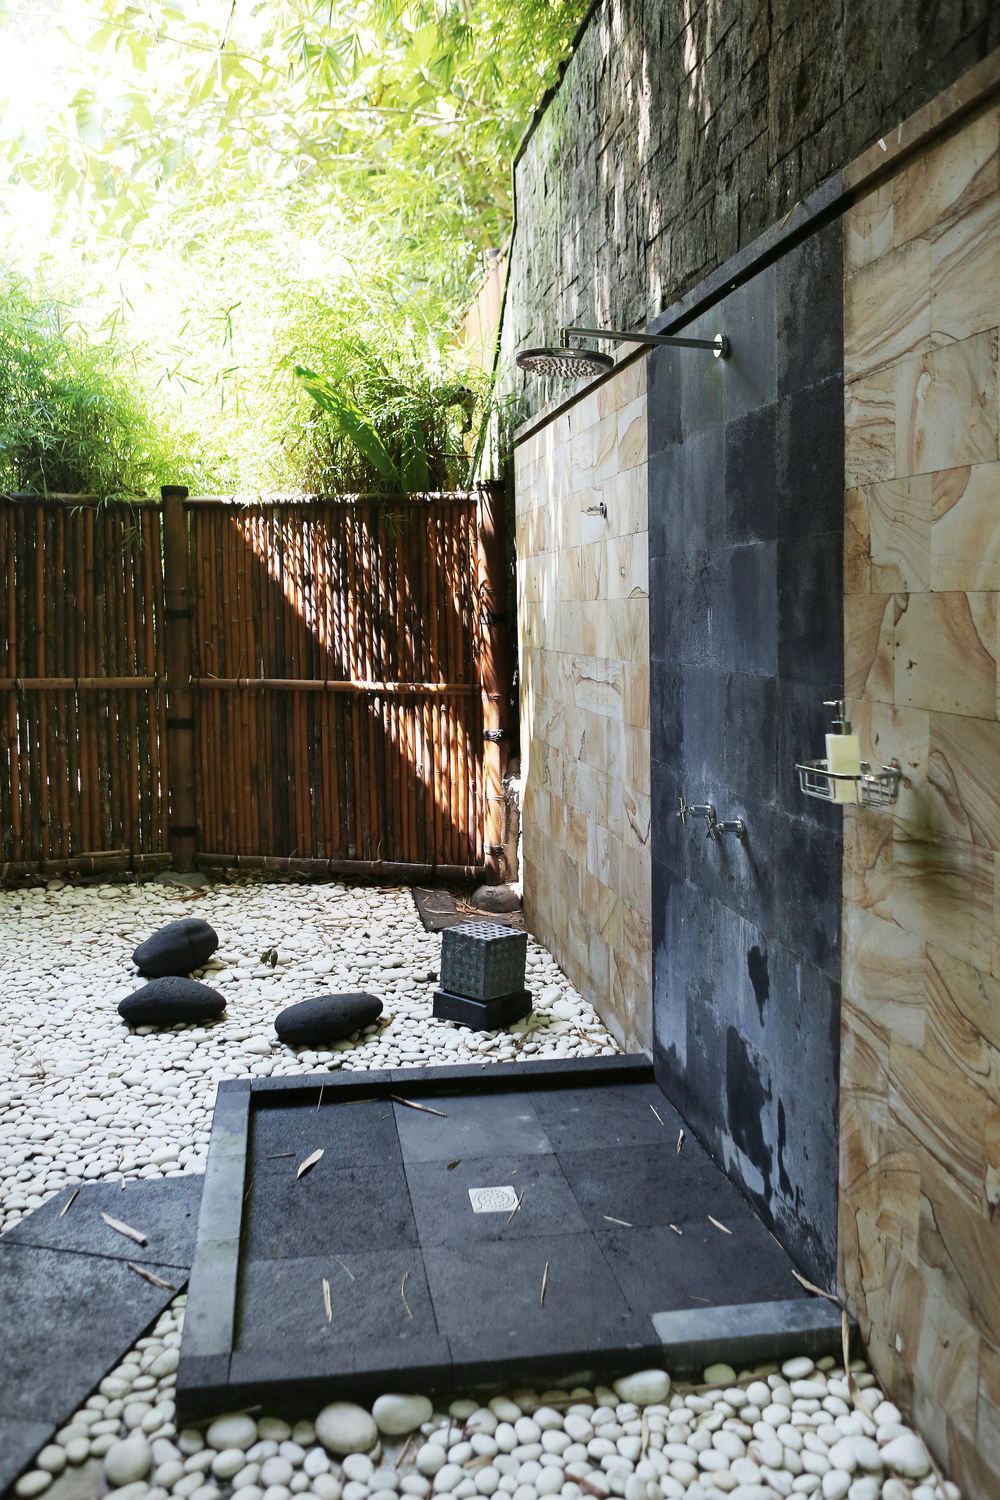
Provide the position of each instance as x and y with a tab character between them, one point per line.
343	1428
326	1486
447	1478
32	1483
397	1415
645	1388
128	1460
430	1458
359	1467
234	1430
906	1455
52	1459
486	1481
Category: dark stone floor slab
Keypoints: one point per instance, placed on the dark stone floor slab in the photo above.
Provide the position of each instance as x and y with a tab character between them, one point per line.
442	1207
423	1287
493	1289
652	1185
626	1114
659	1270
330	1209
474	1125
166	1212
376	1295
70	1306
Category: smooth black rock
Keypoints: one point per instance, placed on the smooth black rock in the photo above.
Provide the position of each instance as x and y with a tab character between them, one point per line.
326	1018
165	1001
176	949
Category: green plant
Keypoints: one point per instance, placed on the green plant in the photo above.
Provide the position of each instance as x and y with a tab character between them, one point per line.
71	419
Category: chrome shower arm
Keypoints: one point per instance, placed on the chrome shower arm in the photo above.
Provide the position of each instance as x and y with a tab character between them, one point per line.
719	345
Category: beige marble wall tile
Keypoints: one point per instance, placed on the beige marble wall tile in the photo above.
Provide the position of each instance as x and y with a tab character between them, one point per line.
944	891
584	630
947	181
868	228
944	653
919	1211
883	973
869	646
899	533
870	427
965	528
887	309
857	542
965	266
963	779
946	407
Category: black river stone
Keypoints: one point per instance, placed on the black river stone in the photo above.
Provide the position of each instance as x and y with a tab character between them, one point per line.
176	949
326	1018
164	1002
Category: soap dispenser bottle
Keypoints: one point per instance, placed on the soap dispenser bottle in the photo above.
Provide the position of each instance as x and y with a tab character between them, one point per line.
843	753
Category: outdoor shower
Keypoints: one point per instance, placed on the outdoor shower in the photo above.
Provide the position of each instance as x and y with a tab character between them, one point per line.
571	363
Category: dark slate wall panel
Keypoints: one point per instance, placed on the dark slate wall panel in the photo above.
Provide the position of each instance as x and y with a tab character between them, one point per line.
746	487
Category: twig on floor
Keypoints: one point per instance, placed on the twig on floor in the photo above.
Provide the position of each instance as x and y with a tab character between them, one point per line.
676	1230
656	1112
327	1304
623	1222
68	1202
517	1205
126	1229
545	1282
166	1286
320	1100
402	1293
680	1142
278	1154
695	1298
249	1189
412	1104
340	1263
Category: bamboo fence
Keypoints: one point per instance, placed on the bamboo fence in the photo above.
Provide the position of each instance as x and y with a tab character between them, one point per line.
303	690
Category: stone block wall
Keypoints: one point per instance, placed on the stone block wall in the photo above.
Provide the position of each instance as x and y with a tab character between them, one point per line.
746	607
583	625
685	128
920	1080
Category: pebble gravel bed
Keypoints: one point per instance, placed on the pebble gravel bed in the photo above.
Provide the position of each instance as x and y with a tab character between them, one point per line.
84	1097
765	1434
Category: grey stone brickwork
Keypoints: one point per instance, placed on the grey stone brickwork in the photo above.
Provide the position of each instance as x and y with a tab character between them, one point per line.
684	128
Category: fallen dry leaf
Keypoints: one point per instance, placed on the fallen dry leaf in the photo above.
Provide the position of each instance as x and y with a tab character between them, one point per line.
810	1286
676	1230
310	1161
402	1293
327	1304
545	1282
452	1165
167	1286
120	1228
68	1202
721	1226
680	1142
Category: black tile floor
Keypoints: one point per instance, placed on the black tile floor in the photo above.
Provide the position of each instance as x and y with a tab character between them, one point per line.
69	1304
621	1220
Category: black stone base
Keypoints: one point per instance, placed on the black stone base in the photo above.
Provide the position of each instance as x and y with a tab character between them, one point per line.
482	1015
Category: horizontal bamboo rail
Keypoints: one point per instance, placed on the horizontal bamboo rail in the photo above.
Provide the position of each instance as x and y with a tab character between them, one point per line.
335	685
383	869
101	862
75	684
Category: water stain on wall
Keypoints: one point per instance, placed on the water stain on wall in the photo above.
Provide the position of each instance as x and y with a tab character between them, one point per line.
759	978
746	1097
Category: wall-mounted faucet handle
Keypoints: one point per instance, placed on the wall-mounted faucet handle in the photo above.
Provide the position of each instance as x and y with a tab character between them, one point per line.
713	828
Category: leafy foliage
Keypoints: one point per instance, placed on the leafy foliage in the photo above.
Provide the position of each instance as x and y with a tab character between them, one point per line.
402	117
70	419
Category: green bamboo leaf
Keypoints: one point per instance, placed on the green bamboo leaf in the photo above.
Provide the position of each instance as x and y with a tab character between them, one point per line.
414	465
350	421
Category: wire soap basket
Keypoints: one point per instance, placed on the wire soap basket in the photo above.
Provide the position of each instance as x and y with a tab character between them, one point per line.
871	788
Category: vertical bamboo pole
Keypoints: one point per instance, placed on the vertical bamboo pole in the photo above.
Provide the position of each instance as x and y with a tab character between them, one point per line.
180	720
494	670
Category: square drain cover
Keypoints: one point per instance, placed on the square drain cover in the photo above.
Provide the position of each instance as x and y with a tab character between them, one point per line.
493	1200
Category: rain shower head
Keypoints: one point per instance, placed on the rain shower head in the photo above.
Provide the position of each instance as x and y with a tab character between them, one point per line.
571	364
